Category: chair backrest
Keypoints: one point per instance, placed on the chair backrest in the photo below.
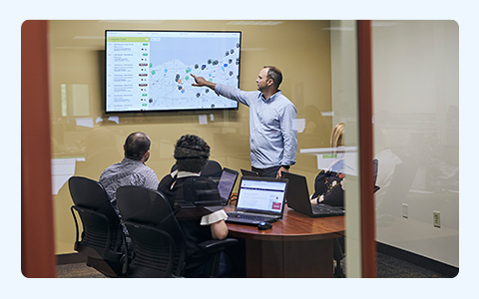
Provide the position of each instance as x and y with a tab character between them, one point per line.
90	194
212	170
102	237
159	248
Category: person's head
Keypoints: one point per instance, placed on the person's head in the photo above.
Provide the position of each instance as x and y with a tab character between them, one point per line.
191	153
337	135
269	77
137	146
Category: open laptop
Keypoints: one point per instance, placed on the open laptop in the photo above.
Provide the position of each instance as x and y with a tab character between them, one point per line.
226	183
259	199
225	187
245	172
298	198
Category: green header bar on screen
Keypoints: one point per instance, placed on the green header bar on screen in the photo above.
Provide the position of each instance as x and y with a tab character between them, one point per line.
126	39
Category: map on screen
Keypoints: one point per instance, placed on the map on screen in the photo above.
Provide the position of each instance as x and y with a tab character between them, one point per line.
151	70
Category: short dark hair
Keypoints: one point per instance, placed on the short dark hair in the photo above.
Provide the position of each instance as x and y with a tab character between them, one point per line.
191	153
275	74
136	145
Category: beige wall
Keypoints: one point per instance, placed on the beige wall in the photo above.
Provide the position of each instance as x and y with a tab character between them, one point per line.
301	49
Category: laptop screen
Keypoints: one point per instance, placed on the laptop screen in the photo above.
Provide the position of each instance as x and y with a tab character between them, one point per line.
226	183
261	195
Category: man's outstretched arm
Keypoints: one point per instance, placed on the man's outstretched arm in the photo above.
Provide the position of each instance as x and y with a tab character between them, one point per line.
200	81
224	90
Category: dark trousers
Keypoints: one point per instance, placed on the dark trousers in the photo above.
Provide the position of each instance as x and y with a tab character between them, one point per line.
205	270
232	264
267	172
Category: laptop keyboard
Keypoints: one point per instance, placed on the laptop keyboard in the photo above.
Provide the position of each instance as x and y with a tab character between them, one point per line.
325	209
249	216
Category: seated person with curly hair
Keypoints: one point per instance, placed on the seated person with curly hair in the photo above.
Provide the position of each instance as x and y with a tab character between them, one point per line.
186	185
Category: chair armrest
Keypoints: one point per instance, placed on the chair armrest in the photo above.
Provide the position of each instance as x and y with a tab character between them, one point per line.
217	245
76	227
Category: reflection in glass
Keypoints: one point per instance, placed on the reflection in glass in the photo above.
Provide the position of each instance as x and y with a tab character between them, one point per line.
416	114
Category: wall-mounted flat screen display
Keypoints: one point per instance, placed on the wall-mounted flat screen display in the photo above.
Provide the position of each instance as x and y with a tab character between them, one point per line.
151	70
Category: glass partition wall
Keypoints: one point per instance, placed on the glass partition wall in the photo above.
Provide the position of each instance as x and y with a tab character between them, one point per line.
416	120
415	67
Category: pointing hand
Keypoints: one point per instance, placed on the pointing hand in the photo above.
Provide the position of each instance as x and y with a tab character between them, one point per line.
200	81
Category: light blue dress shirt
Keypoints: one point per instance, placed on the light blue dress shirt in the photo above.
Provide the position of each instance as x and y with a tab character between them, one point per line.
272	125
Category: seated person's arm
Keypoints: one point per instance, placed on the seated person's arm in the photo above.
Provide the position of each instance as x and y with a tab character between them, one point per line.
316	199
219	230
216	221
320	184
335	195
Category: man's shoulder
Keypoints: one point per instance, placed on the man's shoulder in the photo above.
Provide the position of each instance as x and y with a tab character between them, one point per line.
148	168
284	99
282	103
111	169
127	167
135	165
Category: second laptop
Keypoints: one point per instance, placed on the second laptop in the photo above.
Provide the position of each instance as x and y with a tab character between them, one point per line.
260	199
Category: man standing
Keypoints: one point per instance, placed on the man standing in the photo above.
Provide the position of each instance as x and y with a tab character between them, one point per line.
131	171
273	134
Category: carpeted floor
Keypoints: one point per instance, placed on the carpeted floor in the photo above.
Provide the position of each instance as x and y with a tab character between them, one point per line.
77	270
387	267
390	267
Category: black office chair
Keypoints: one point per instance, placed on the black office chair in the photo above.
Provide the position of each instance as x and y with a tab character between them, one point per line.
159	248
212	170
102	239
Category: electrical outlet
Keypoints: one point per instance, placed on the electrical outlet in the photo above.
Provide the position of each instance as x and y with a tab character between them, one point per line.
404	210
436	218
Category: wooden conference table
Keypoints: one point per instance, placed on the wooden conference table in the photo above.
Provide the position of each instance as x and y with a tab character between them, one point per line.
297	246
